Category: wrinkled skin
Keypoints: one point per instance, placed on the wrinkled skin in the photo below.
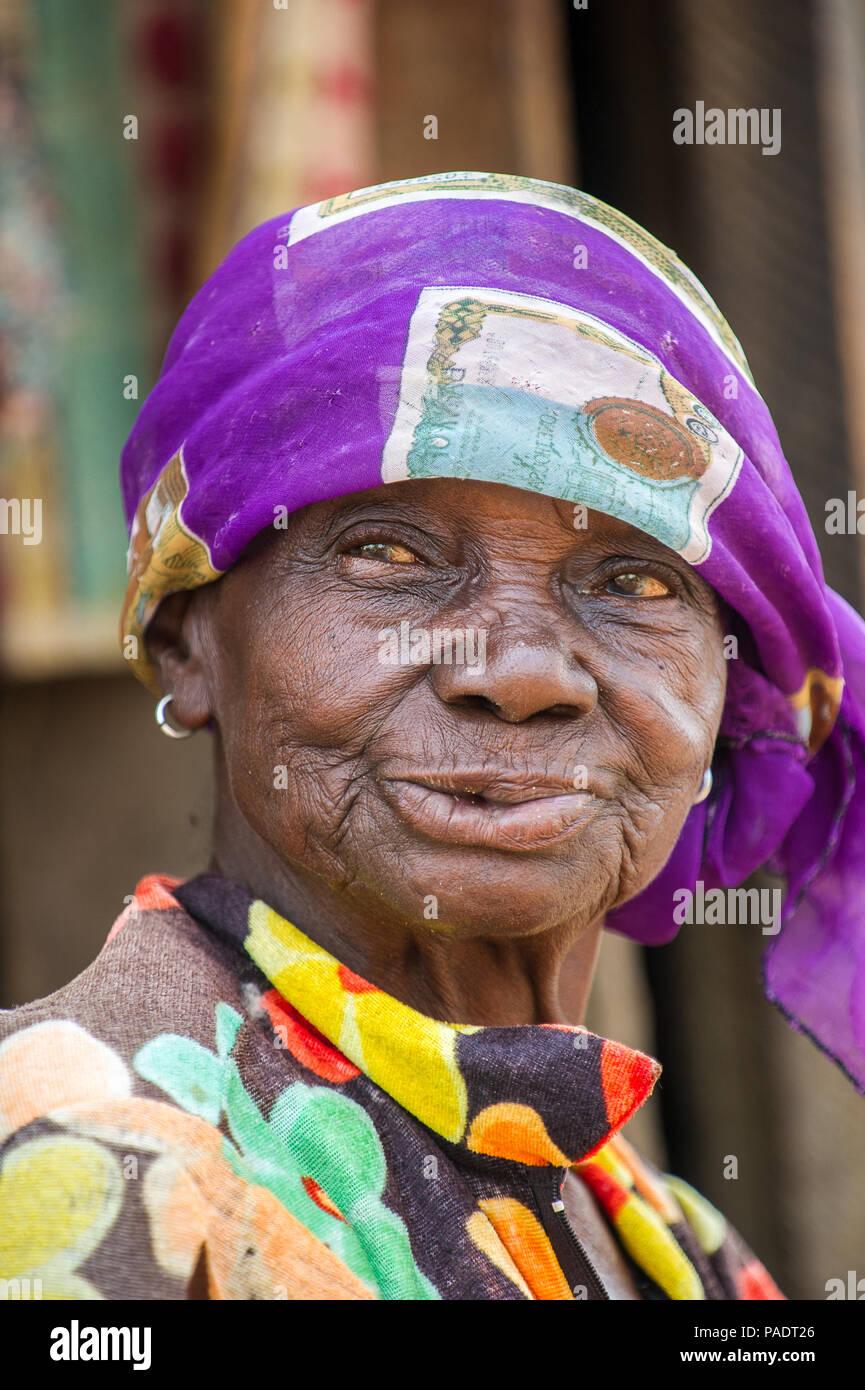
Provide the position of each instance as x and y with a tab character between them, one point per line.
603	651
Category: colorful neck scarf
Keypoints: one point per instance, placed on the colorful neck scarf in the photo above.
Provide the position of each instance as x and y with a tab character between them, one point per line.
509	330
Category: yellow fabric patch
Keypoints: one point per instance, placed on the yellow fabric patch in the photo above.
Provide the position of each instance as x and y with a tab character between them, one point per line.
651	1243
708	1224
421	1074
59	1196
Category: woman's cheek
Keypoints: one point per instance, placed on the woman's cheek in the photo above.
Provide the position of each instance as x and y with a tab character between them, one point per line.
691	696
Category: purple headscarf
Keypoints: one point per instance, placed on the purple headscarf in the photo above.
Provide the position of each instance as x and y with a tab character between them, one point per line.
509	330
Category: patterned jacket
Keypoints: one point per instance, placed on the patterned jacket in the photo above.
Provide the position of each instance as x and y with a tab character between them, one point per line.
217	1108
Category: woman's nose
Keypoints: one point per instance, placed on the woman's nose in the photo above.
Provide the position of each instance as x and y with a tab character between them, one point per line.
519	670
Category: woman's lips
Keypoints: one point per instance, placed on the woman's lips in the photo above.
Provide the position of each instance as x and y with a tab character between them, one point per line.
496	819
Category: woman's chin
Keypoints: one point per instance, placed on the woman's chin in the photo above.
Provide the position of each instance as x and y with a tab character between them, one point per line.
470	898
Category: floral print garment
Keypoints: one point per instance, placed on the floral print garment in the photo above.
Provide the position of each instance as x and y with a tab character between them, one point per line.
218	1109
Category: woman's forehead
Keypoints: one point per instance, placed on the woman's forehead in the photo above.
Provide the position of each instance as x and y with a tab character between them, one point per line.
448	497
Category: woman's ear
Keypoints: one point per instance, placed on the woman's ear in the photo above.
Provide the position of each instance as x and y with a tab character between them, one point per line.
177	644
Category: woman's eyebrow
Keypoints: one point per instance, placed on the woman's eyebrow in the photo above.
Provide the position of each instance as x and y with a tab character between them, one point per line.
391	509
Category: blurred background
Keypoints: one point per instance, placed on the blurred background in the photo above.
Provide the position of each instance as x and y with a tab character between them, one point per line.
139	139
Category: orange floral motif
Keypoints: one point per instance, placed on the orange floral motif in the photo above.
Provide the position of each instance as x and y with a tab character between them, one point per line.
483	1234
55	1063
508	1130
526	1242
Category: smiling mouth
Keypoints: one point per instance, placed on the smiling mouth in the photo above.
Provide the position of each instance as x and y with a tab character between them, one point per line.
499	812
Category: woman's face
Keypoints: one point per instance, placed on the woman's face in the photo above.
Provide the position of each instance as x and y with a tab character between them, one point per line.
543	778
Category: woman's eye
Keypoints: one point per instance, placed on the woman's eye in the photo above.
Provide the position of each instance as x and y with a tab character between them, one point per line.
389	551
637	586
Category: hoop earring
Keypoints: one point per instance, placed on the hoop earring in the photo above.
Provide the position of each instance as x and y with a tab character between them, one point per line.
168	729
705	787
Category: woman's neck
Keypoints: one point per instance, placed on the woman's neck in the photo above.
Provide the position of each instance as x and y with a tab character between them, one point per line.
542	978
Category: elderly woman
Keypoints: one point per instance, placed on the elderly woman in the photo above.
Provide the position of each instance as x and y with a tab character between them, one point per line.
457	521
